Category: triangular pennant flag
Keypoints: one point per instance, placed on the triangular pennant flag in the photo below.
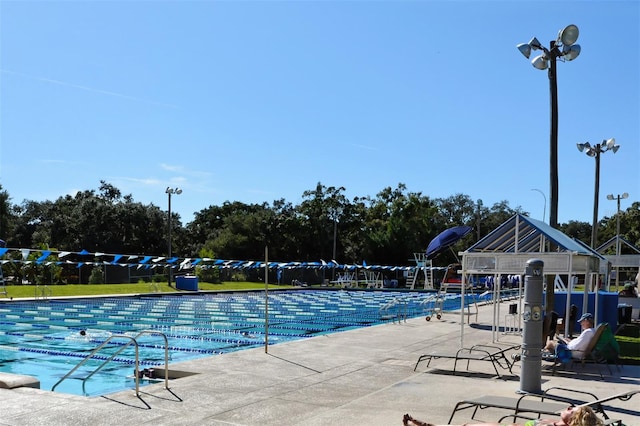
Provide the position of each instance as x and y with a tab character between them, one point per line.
45	254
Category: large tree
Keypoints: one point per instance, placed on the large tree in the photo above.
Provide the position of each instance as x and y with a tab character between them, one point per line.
387	229
319	213
98	222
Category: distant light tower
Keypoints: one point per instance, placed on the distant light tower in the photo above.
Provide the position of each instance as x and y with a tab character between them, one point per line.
334	213
479	218
544	211
595	151
565	49
617	197
170	191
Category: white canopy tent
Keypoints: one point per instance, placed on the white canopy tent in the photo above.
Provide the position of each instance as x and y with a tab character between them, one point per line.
506	250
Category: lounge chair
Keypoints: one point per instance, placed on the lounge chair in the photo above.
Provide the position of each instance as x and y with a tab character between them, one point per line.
597	403
549	326
551	402
494	354
603	349
527	403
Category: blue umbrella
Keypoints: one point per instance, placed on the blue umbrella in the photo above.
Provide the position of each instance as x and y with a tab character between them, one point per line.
446	239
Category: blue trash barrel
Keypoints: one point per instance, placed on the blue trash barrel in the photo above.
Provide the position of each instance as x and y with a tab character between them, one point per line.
187	282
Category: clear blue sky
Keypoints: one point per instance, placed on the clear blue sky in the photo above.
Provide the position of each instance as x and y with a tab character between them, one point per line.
254	101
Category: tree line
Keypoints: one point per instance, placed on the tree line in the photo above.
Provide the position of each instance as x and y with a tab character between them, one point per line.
385	229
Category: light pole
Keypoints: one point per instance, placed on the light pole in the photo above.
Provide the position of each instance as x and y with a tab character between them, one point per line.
595	151
479	204
565	49
170	191
544	211
617	197
335	213
335	236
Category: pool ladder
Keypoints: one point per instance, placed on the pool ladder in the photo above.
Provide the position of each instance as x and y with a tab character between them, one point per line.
42	291
395	309
134	341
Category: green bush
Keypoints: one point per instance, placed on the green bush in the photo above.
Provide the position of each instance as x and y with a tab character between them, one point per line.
208	275
97	276
239	277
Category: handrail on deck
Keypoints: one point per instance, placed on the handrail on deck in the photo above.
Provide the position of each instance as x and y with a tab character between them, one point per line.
137	359
401	312
136	372
93	352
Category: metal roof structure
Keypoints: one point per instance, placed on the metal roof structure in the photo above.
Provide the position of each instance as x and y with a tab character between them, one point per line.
621	260
507	249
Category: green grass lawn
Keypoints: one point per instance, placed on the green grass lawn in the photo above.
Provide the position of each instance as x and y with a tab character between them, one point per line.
628	338
19	291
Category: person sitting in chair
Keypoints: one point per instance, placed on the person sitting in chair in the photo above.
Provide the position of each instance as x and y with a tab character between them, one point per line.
628	291
578	345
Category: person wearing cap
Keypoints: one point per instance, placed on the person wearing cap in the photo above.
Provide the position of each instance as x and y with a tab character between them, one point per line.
578	345
629	291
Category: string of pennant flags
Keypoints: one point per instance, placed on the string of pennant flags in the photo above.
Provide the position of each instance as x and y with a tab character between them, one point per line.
84	257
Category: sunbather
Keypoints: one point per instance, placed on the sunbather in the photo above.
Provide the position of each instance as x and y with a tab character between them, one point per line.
578	345
572	416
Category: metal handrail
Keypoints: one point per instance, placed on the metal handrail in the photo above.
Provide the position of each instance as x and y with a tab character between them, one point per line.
135	339
114	336
401	312
42	291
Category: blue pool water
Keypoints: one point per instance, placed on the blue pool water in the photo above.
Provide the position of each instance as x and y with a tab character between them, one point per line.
42	338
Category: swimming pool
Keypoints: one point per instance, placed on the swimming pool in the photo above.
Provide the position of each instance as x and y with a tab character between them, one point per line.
42	338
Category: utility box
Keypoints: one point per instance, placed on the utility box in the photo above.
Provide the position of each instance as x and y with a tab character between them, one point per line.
187	282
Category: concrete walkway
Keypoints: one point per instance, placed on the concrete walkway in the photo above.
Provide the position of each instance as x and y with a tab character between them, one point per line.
356	377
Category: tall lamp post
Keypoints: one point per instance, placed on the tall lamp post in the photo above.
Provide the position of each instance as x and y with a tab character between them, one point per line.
565	49
170	191
617	197
544	211
595	151
335	213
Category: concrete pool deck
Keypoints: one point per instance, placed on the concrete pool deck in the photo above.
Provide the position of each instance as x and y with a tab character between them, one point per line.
362	376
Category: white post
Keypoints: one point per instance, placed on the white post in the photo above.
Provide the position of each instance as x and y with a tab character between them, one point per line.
266	299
